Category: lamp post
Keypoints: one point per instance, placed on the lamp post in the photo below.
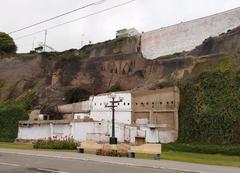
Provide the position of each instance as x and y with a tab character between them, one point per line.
113	139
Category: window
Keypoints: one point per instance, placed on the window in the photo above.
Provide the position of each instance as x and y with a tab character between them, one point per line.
172	102
152	103
124	103
147	103
160	103
128	104
136	104
167	103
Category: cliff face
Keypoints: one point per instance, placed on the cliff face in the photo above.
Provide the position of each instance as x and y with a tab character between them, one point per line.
103	65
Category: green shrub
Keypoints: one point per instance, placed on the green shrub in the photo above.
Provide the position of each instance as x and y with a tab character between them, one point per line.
115	88
7	44
165	84
210	106
11	112
232	150
76	94
56	144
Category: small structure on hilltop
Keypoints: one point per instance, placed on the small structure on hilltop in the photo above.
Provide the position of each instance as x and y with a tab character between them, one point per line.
141	117
127	33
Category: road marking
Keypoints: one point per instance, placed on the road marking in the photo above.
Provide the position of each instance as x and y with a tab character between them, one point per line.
50	170
9	164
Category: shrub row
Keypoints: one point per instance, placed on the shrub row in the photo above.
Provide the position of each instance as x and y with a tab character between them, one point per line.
231	150
112	153
56	144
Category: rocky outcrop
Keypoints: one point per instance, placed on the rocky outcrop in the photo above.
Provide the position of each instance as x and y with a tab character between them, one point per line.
51	74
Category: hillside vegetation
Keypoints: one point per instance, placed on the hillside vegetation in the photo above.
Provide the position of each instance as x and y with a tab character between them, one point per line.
210	106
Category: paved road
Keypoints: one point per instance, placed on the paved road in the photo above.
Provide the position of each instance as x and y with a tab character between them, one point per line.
17	163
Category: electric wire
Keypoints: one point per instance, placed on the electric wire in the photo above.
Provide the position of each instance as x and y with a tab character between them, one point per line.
58	16
77	19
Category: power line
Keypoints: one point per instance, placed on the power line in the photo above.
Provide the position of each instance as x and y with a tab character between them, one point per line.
74	20
58	16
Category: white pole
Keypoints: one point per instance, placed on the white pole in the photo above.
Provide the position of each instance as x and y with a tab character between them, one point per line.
45	41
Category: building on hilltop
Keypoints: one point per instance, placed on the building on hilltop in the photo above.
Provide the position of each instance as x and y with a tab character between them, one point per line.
141	117
127	33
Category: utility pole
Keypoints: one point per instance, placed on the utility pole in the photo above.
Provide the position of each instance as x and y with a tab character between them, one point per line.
113	139
82	40
45	41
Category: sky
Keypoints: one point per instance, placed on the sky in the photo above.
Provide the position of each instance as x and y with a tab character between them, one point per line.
144	15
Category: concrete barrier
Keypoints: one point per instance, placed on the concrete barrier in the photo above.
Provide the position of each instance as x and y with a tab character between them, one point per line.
155	149
89	146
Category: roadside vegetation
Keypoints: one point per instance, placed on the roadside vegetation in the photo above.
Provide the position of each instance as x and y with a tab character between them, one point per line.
11	112
67	144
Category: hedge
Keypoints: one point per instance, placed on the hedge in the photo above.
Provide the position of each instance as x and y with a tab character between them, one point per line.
56	144
231	150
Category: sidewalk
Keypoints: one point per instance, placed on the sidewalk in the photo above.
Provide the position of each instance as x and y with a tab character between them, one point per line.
163	164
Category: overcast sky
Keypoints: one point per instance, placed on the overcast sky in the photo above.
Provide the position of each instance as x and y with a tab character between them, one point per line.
144	15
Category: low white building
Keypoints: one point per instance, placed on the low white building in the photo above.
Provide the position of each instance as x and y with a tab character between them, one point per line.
94	131
140	117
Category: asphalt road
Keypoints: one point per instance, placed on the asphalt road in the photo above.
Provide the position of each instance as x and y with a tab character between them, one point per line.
17	163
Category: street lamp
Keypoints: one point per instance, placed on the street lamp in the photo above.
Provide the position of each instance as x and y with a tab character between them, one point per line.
113	139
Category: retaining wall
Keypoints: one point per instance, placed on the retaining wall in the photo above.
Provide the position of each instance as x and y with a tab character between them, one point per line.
187	35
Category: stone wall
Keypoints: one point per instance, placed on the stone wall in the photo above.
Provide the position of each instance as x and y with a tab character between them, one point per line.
187	35
158	109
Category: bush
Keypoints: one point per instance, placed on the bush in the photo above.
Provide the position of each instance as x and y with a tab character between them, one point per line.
11	113
165	84
231	150
7	44
115	88
76	94
56	144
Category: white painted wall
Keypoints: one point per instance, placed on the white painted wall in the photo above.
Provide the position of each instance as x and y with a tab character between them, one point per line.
34	132
186	36
123	112
95	131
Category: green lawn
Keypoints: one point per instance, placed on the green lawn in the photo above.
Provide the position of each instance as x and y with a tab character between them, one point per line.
16	146
211	159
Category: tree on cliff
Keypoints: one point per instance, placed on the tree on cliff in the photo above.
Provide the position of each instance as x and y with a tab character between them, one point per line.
7	44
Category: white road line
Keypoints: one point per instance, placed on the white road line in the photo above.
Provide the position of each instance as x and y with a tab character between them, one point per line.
50	170
9	164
